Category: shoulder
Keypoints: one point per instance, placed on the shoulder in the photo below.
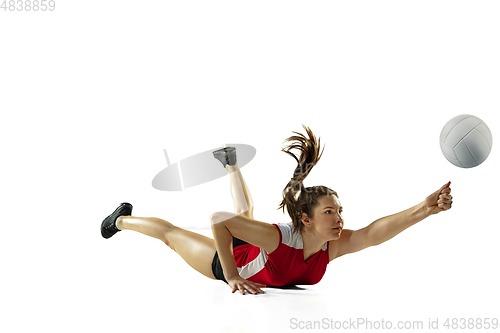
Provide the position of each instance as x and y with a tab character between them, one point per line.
350	241
335	246
286	231
289	237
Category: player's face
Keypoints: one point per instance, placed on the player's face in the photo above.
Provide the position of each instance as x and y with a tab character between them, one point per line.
328	219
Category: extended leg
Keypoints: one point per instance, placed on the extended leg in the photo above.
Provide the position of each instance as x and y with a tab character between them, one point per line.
243	203
197	250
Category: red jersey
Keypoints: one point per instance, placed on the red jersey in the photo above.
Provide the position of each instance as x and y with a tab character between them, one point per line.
284	266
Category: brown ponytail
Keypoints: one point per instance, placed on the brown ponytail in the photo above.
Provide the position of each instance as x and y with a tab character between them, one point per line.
297	198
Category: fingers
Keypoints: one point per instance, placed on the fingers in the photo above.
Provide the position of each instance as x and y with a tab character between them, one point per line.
238	287
445	200
250	287
446	190
447	185
443	189
445	197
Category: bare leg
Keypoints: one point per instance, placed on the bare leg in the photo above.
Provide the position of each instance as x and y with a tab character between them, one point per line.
197	250
243	203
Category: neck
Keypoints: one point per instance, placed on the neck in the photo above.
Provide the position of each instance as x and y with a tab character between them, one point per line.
312	243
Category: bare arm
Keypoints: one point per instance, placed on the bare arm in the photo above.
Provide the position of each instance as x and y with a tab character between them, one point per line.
387	227
223	241
226	225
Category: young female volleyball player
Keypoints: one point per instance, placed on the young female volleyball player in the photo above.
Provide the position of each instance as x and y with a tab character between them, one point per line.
248	254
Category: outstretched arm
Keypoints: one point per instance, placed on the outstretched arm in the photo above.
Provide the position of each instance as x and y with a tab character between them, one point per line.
387	227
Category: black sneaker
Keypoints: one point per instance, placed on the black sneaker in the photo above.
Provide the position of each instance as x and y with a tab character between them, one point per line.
108	226
227	156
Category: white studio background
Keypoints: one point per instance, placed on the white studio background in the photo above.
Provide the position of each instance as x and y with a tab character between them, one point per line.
92	93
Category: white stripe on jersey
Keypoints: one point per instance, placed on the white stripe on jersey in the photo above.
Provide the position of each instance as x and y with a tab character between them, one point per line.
293	239
254	266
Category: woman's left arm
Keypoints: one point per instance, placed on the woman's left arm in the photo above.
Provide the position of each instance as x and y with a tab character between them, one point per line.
387	227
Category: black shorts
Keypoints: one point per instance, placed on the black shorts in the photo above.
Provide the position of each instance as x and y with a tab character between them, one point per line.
216	265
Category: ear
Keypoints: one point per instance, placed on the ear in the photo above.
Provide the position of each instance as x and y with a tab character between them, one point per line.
305	220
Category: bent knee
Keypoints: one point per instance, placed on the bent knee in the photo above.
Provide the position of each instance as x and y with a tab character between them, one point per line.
219	217
247	213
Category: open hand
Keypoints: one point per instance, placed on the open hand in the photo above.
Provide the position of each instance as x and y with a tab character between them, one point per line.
239	283
439	201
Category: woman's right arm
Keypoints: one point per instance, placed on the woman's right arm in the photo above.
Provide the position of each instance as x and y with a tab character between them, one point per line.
226	225
223	240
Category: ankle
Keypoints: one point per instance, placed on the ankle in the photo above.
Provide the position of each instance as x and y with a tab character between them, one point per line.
232	168
119	222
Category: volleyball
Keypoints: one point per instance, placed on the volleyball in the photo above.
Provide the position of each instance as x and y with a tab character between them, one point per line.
466	141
